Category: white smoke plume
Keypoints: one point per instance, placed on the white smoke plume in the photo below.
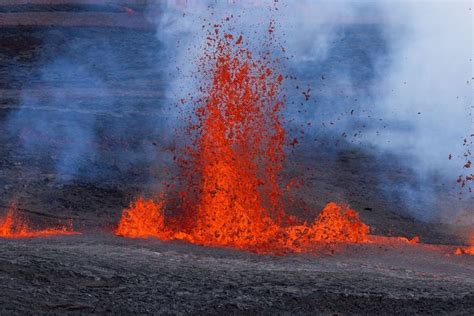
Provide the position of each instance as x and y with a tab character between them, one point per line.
425	91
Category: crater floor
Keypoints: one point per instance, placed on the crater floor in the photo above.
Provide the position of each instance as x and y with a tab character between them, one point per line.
105	274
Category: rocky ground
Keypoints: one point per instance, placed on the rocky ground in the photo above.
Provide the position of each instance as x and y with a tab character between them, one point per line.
103	274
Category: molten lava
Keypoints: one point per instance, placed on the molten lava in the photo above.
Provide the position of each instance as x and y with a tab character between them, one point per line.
144	218
15	226
467	251
239	151
232	196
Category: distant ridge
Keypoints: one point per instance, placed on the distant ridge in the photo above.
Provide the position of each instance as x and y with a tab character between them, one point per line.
135	3
74	13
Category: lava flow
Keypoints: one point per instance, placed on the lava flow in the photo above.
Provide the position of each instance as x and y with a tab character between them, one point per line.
467	250
231	196
15	226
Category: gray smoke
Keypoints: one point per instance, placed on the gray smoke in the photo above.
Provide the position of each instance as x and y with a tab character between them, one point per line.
90	106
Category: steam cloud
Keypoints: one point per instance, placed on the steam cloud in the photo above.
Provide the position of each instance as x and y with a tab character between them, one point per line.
426	86
81	109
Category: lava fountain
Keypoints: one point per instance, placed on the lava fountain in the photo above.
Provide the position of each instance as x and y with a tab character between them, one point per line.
466	250
12	225
231	195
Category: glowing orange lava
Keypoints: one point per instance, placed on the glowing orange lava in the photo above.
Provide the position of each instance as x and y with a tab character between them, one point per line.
231	197
468	250
144	218
15	226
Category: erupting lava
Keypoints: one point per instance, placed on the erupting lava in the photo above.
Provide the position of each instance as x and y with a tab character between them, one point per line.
144	218
15	226
467	251
231	195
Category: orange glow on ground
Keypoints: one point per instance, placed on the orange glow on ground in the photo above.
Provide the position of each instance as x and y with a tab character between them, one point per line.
15	226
